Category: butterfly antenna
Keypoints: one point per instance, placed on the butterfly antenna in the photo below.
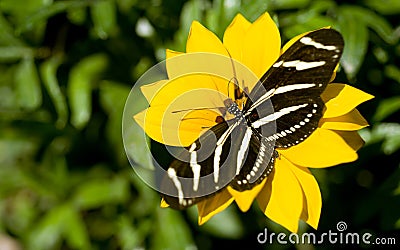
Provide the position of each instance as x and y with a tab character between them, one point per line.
236	87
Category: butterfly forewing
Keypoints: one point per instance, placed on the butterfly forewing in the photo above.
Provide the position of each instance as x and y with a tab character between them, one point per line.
294	84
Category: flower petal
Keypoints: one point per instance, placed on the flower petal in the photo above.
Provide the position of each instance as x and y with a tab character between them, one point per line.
175	129
202	40
163	203
342	98
324	148
193	91
173	68
281	199
261	45
334	73
244	199
312	201
150	90
211	206
352	138
350	121
233	36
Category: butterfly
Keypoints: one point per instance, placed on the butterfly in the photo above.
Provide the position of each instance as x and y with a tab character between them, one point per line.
281	111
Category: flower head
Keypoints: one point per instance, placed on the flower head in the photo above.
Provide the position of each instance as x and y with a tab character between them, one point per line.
290	192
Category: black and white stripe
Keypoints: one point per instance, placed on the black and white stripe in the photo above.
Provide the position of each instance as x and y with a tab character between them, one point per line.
243	152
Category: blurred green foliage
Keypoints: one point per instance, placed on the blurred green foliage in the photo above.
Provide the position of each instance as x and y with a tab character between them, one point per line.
66	68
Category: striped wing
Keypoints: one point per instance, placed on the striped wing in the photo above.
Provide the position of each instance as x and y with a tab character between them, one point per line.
211	163
294	85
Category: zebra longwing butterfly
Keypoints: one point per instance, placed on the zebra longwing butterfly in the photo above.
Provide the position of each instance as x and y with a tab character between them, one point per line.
243	155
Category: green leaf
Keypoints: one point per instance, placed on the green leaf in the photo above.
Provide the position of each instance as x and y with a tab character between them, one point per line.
387	107
48	71
14	53
376	22
386	7
136	142
77	15
253	9
289	4
44	13
214	18
75	231
393	72
392	144
98	192
192	10
387	133
230	10
314	23
104	18
81	79
47	233
29	93
22	213
7	37
303	21
224	225
355	34
112	98
133	236
170	227
381	55
61	221
126	5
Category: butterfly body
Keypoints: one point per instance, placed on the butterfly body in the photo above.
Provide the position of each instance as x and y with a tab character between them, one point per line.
282	110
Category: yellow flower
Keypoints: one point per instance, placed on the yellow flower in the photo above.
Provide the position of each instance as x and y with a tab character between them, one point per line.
290	192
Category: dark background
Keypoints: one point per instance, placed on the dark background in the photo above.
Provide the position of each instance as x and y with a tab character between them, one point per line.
66	68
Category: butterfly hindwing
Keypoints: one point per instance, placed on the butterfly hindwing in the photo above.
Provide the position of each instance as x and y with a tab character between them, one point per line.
253	168
205	168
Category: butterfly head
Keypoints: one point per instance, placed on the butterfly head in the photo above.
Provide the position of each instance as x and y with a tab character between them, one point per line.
232	108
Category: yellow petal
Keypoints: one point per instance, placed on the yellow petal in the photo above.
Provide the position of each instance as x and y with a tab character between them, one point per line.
175	130
350	121
192	91
244	199
169	53
334	73
202	40
233	36
164	121
324	148
173	69
150	90
281	199
341	98
261	45
352	138
312	201
211	206
163	203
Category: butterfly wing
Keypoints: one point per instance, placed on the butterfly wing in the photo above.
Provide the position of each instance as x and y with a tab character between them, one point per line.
194	176
294	84
214	161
